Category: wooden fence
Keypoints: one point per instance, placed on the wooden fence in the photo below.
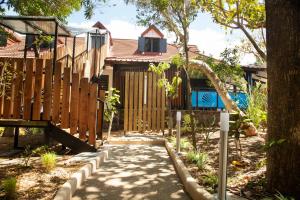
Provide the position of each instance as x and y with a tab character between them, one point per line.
37	93
144	102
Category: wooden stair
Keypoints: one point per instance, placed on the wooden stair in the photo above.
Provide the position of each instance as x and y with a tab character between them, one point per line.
68	140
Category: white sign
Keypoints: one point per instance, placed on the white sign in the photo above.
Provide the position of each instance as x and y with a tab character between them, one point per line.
224	119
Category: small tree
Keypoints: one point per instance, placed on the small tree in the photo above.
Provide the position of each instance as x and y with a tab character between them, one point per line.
170	87
112	99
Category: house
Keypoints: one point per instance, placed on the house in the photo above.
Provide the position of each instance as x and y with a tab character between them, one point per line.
110	58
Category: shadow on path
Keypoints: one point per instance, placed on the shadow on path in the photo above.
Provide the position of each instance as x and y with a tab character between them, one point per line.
134	172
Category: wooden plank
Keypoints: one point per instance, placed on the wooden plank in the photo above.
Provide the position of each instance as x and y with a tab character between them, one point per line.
74	103
135	104
56	93
163	108
18	91
145	86
140	100
126	101
158	114
154	106
83	108
1	87
36	113
8	98
92	113
47	90
100	113
131	85
28	89
65	113
149	109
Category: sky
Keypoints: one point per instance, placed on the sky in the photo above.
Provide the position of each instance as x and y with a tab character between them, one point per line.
120	19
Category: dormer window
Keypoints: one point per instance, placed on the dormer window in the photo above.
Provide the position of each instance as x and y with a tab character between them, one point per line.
152	40
152	45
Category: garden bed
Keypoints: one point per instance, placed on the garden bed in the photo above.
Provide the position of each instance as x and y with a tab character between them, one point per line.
246	174
33	181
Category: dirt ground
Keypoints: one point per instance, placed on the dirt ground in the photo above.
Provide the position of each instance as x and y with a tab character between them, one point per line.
34	182
246	173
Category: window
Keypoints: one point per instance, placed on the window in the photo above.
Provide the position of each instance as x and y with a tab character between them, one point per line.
152	45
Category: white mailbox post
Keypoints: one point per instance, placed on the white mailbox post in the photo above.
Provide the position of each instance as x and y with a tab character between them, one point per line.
178	120
224	128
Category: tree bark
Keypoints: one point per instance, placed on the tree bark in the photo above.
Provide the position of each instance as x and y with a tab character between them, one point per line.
283	60
218	85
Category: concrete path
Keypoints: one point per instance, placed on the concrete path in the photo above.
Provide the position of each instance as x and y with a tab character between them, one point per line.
134	172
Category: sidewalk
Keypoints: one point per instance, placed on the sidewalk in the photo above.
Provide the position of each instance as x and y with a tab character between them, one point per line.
134	172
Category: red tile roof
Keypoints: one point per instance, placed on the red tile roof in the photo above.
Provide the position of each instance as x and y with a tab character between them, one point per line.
126	50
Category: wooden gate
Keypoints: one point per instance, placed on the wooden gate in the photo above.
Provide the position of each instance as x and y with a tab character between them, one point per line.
144	102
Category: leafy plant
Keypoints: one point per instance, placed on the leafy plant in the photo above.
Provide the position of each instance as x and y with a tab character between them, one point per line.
48	161
280	196
26	156
211	180
257	105
261	163
9	186
207	127
273	142
112	100
200	159
186	123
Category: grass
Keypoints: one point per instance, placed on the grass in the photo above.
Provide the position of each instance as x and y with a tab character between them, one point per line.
200	159
185	144
9	186
48	161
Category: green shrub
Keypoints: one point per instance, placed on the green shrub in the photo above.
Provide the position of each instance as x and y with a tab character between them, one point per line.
211	180
9	186
200	159
184	143
48	161
41	150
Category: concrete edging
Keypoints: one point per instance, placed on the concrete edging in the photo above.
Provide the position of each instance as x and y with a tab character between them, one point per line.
190	184
67	190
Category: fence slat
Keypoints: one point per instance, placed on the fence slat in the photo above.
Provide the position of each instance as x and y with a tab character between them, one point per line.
163	108
145	78
131	87
47	91
28	89
83	108
126	101
92	113
140	106
8	95
158	106
74	103
56	93
149	110
100	112
36	113
18	91
135	104
154	108
65	113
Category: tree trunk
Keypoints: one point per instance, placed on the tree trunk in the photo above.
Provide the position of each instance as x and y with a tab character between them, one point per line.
218	85
110	125
283	60
170	120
